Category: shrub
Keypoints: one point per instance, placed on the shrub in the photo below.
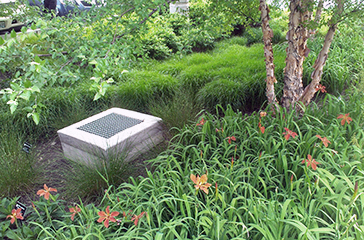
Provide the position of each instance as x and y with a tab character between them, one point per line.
253	35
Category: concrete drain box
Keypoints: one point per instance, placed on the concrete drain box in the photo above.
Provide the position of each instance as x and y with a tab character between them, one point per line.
109	133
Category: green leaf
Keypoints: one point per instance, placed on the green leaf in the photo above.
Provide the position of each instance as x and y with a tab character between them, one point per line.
13	106
27	84
28	109
97	96
158	236
15	86
93	62
1	41
25	95
37	59
13	34
35	89
27	231
33	27
11	234
35	117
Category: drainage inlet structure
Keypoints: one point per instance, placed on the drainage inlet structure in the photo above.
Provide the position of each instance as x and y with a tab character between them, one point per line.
109	133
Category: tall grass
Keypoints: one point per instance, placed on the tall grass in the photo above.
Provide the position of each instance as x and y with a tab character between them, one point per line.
20	171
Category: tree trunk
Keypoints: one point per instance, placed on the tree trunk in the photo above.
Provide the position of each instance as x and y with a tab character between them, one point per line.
296	51
321	59
268	52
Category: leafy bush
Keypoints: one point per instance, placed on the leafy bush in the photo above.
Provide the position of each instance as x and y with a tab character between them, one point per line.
253	35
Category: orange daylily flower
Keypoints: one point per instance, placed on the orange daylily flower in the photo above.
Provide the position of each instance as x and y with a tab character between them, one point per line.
288	133
46	192
107	216
262	114
231	138
202	122
345	118
310	161
74	211
15	214
324	140
262	129
201	182
320	88
136	218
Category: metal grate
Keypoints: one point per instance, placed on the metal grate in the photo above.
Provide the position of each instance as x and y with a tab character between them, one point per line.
109	125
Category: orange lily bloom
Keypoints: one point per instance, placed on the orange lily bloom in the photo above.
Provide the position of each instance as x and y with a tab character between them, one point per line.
345	118
262	114
201	182
262	129
231	138
106	216
202	122
15	214
324	140
74	211
46	192
136	218
288	133
320	88
310	161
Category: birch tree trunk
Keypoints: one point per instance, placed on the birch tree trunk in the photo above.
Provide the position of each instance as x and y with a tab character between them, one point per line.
296	51
268	52
321	59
